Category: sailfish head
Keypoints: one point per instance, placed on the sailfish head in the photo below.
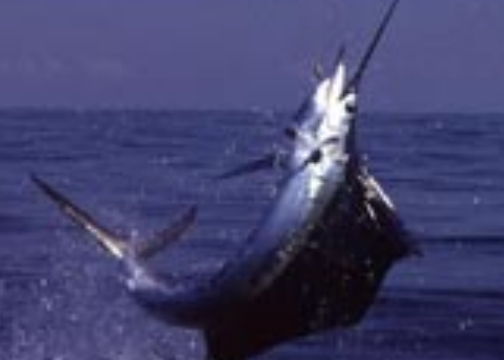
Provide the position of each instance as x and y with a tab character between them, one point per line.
339	95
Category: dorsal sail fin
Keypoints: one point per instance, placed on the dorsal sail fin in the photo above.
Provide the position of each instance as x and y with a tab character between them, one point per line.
318	71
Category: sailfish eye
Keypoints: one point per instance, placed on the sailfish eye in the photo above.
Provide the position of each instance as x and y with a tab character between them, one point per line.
351	107
316	156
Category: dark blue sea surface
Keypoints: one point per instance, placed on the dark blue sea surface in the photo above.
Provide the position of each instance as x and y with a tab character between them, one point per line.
61	297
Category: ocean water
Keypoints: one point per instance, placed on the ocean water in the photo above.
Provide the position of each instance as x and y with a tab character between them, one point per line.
61	297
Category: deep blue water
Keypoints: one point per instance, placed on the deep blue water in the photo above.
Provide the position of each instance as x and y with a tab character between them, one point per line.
61	297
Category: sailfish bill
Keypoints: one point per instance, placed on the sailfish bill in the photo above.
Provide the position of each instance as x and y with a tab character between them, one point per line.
354	83
271	161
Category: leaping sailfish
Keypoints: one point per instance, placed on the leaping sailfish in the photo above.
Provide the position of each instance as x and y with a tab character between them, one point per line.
315	261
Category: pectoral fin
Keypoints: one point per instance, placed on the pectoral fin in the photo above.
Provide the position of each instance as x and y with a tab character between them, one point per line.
269	161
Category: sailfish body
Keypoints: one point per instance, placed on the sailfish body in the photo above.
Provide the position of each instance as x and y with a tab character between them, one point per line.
315	261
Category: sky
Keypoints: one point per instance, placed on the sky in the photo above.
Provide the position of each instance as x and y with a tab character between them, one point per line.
437	56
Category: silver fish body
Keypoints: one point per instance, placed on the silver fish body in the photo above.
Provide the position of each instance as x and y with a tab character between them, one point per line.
315	261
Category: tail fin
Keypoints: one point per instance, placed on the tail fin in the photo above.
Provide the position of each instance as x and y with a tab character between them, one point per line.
165	237
106	238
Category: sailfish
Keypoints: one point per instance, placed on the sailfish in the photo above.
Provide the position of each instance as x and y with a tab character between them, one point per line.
315	261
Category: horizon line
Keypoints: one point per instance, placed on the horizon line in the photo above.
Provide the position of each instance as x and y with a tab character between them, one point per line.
253	110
